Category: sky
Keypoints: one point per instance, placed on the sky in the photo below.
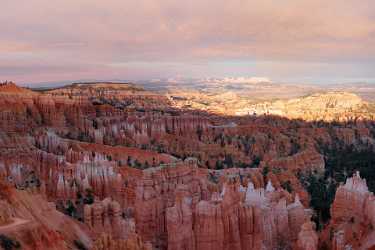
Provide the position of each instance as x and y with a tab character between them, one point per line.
302	41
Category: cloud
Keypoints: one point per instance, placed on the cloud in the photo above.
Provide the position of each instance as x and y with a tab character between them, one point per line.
164	32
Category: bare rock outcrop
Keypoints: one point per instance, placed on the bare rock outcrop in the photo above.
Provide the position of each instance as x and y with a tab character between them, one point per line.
331	106
308	238
35	223
353	215
106	242
139	173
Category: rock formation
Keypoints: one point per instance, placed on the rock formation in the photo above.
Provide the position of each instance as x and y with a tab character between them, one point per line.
36	224
106	242
308	238
331	106
112	166
353	218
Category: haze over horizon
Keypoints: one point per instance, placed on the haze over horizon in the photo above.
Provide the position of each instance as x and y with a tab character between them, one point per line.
286	41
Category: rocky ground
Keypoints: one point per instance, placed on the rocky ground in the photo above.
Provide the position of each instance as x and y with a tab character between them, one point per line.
113	166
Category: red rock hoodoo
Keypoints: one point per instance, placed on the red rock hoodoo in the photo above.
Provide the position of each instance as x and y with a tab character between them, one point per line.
108	166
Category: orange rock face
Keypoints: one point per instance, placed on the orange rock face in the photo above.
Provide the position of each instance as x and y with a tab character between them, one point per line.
308	238
106	242
112	166
352	212
36	224
237	218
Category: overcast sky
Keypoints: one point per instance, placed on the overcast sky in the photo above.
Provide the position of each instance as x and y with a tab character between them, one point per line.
284	40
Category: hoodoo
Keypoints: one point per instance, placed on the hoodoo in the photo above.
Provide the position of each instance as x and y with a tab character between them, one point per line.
113	166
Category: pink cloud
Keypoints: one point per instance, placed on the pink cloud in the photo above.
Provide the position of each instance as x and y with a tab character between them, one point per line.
87	32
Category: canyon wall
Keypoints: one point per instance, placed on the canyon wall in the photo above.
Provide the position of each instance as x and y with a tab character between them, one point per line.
116	167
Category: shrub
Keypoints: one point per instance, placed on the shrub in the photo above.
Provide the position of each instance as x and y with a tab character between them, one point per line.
287	186
80	245
8	243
